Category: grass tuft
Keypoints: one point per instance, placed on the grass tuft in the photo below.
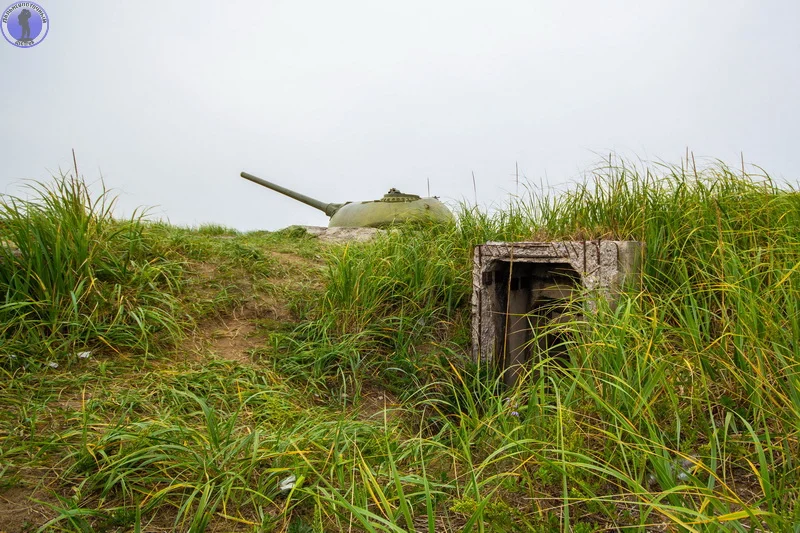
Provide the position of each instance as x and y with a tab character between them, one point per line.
75	279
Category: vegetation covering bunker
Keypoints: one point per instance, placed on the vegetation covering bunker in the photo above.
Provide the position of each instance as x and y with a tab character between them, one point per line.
521	286
681	412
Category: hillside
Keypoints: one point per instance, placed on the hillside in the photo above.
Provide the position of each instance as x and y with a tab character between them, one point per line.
158	378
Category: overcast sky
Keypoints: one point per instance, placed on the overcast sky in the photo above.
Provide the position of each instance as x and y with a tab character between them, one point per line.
342	100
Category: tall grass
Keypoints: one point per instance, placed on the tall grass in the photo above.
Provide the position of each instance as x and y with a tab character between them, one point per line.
678	408
73	278
675	410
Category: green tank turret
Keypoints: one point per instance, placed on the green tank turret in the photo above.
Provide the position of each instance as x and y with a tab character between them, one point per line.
394	208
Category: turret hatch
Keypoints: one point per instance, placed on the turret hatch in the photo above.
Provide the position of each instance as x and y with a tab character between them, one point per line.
396	196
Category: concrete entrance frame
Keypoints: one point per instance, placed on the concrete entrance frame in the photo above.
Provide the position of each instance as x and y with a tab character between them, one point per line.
521	286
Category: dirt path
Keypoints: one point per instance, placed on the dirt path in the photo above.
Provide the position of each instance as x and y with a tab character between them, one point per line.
233	335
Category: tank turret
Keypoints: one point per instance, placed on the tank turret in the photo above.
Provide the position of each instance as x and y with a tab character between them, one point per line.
394	208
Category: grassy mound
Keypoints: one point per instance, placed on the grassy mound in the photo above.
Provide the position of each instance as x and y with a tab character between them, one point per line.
678	407
678	410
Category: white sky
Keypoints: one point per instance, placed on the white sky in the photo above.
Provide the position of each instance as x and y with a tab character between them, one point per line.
343	100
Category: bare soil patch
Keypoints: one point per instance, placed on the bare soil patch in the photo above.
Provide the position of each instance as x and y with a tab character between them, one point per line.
19	510
234	334
232	339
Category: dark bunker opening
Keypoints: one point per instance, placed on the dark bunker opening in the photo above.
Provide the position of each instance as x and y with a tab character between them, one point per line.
528	297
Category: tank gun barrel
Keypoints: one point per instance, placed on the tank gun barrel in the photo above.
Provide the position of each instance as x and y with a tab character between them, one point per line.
328	209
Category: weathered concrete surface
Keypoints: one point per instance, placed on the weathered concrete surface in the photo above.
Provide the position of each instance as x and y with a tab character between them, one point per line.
339	235
520	285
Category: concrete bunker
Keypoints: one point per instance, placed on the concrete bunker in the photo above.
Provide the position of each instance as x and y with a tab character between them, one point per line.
522	287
